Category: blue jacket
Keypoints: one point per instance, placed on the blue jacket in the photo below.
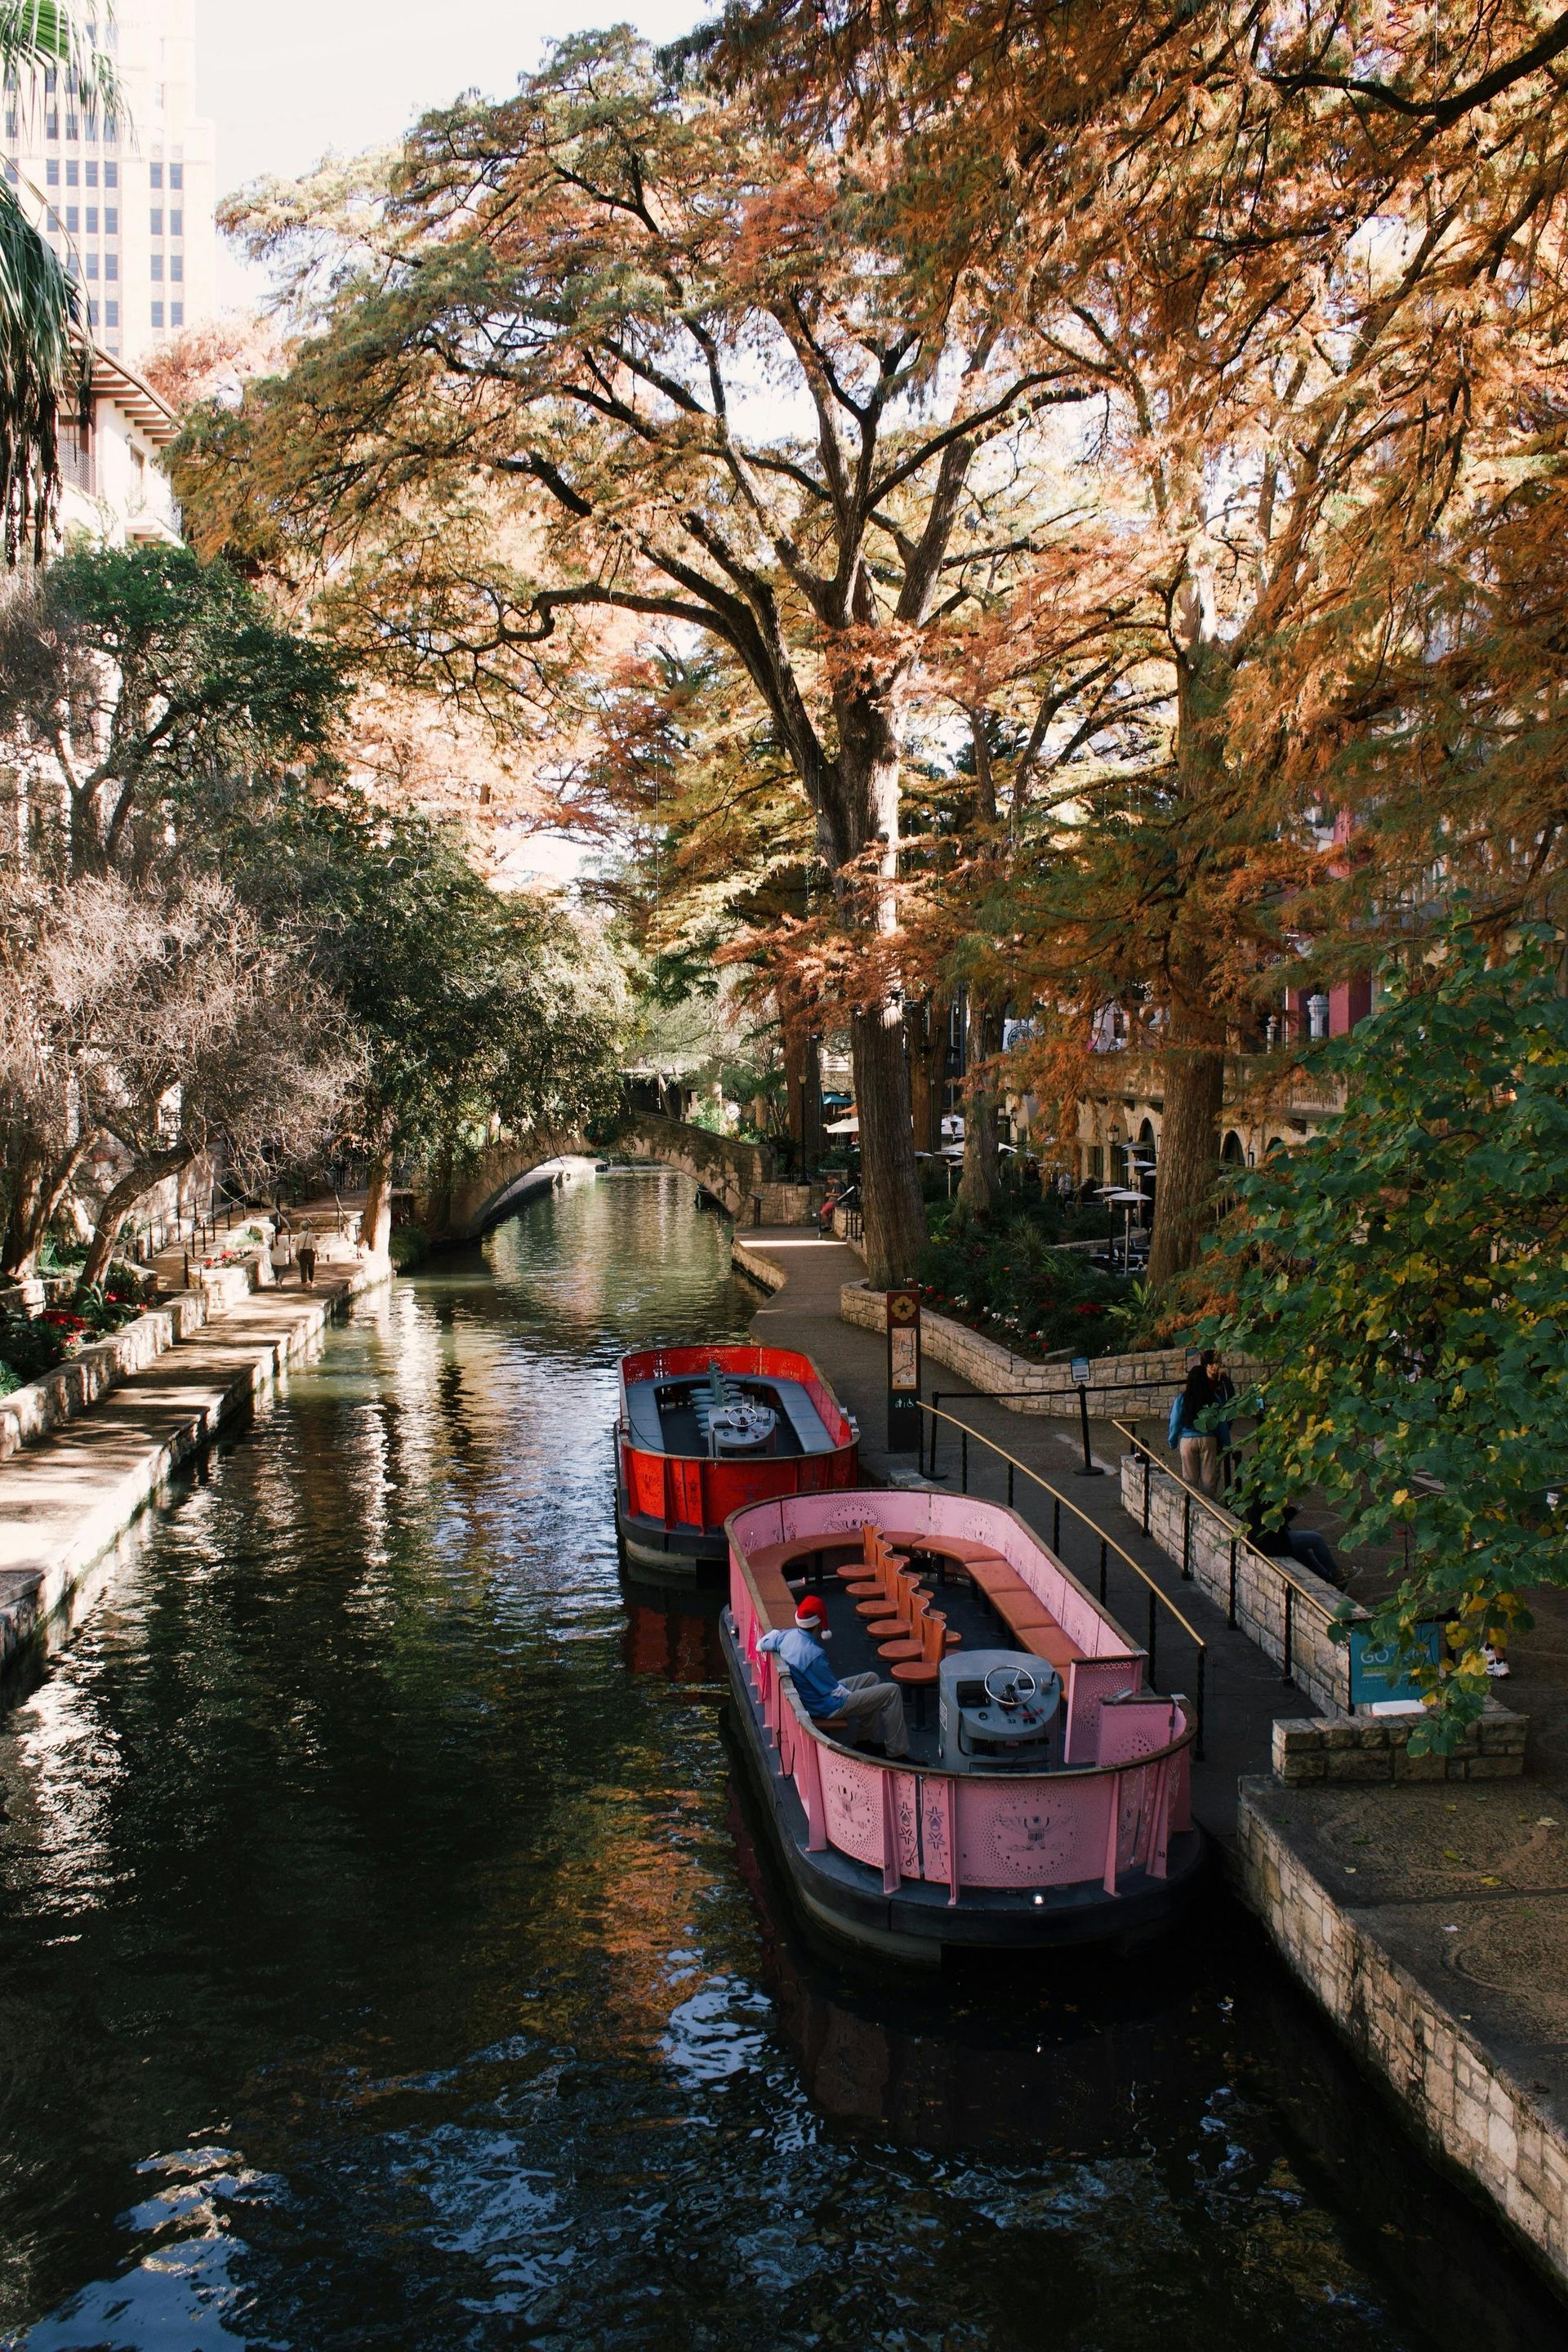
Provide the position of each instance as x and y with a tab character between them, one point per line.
821	1693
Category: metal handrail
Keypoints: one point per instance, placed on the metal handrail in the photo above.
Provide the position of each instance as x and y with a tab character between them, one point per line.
1141	1445
1293	1589
1107	1543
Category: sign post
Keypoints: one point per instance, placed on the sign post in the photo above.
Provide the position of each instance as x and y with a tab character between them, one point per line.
905	1434
1081	1369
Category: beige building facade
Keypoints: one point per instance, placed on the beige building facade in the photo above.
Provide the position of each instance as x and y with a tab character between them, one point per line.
127	202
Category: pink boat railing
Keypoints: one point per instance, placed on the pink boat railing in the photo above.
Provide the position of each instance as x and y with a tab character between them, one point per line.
1124	1792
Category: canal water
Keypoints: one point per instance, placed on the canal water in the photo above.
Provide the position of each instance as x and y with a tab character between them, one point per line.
387	1960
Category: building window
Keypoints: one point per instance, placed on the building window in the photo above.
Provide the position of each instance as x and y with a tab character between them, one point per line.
177	267
176	314
157	266
51	126
92	306
73	219
92	265
112	175
157	220
14	172
176	176
176	224
11	130
73	129
89	127
111	314
52	171
157	314
51	79
92	175
92	220
111	265
111	220
110	128
156	176
52	221
73	171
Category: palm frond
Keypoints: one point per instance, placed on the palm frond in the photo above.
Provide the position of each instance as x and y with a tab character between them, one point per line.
35	33
40	321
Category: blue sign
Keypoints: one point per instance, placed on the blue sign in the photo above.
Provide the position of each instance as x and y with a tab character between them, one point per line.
1373	1675
1081	1370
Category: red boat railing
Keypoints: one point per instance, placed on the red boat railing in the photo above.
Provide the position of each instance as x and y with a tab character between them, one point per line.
1112	1809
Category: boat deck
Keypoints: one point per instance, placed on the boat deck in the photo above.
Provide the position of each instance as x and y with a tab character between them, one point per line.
665	1416
851	1649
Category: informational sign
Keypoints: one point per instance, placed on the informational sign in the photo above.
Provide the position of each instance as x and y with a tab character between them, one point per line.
905	1432
1374	1677
904	1343
1081	1370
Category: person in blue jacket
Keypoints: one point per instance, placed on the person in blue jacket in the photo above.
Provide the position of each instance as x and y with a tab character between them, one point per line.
860	1700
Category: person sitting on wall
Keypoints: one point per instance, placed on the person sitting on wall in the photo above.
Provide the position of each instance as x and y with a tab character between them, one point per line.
1305	1546
861	1699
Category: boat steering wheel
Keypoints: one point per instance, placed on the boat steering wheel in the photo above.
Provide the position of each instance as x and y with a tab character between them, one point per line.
1011	1685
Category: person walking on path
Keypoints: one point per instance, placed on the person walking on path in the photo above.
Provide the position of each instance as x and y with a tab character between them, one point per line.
308	1263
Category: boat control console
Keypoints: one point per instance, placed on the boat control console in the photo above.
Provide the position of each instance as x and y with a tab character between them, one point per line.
998	1712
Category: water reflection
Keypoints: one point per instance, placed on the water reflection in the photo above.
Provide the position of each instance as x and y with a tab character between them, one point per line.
382	1965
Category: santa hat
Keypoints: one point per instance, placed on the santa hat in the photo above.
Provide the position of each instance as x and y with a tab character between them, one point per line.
810	1611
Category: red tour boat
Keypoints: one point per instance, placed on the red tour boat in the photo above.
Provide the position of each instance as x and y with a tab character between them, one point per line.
706	1431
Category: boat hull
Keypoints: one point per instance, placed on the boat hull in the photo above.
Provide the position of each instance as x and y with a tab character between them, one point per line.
916	1925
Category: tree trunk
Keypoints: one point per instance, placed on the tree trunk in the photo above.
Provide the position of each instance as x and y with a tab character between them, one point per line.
1189	1156
375	1226
979	1188
925	1027
37	1191
892	1206
803	1080
118	1203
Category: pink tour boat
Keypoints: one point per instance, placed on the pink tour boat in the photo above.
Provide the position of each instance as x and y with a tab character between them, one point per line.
1047	1797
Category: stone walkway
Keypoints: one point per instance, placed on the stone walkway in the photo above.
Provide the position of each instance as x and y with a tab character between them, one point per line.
64	1499
1243	1691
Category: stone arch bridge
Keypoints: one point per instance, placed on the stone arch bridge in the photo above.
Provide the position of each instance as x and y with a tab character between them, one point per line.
513	1166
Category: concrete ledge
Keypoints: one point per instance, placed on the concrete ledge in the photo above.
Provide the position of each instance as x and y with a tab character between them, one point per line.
1432	1988
64	1507
757	1266
72	1387
1051	1389
1344	1747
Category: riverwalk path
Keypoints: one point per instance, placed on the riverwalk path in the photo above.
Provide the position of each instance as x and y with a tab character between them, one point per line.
1430	1919
66	1498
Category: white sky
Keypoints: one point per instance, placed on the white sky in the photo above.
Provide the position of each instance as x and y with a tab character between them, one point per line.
285	80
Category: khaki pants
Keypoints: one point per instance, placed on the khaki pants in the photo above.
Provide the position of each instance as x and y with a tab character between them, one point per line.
1200	1460
877	1708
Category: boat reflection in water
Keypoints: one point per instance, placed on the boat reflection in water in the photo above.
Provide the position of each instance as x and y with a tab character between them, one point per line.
1193	2070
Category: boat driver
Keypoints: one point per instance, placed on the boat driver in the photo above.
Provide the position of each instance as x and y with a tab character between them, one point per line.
860	1700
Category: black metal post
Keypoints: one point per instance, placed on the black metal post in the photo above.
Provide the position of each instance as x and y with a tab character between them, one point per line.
1187	1538
1148	1478
1288	1676
1056	1523
1102	1567
1199	1697
963	1463
1091	1468
935	1427
1152	1632
1009	1486
1230	1608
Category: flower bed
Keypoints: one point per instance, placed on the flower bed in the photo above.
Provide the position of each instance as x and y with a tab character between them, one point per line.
1006	1282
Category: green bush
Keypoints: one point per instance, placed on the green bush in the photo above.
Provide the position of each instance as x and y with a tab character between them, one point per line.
407	1246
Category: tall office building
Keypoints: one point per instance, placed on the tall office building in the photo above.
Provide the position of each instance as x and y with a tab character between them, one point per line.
127	203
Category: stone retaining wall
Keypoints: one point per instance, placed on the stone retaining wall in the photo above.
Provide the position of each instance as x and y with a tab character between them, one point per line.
1462	2100
1116	1384
75	1386
760	1268
1318	1666
1342	1748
